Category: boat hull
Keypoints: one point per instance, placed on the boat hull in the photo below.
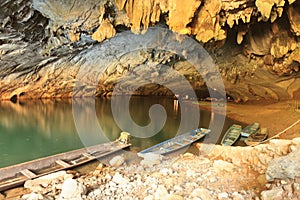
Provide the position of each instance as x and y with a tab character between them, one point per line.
16	175
178	142
250	129
231	135
257	137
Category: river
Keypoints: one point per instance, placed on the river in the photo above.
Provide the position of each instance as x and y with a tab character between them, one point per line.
31	129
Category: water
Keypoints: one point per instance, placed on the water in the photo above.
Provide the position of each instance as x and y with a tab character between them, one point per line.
37	128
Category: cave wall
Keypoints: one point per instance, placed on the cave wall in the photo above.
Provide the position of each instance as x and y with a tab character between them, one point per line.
255	44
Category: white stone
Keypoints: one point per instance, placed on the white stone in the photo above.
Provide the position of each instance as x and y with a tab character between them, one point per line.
119	179
166	171
117	161
71	189
34	184
275	193
160	193
32	196
285	167
150	159
223	195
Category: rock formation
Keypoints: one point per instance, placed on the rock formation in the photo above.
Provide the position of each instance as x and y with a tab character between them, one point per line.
43	45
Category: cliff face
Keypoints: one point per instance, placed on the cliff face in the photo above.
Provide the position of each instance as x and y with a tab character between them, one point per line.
44	44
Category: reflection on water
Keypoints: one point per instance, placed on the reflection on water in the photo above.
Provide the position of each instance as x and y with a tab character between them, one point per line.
33	129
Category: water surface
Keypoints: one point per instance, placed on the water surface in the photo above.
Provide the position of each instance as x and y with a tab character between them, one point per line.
35	128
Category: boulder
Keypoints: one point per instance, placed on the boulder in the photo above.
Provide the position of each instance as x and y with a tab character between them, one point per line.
71	189
286	167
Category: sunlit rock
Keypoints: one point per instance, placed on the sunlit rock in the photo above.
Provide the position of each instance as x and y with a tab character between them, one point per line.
71	189
117	161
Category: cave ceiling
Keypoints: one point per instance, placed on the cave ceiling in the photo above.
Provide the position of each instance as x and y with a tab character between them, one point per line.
43	44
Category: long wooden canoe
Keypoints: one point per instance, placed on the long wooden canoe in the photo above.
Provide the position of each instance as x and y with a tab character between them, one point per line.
177	142
231	135
16	175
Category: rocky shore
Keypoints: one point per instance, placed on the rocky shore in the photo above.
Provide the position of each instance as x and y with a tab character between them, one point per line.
267	171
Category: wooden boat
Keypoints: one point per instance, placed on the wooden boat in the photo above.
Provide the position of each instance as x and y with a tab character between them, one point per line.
16	175
250	129
257	137
177	142
231	135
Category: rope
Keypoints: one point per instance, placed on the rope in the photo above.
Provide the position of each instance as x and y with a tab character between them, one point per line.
277	135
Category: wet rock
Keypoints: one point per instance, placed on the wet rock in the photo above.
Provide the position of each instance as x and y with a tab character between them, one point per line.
71	189
284	167
117	161
274	194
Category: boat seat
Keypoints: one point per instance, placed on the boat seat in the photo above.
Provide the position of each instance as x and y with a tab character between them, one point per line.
28	173
187	140
88	156
62	163
180	144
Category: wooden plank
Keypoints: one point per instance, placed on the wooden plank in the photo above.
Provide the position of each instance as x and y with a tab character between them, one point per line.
62	163
187	140
89	156
180	144
28	173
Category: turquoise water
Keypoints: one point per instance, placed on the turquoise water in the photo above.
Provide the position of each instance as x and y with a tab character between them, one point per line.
36	128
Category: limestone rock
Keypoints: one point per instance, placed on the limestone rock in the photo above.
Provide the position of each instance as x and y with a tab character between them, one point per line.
33	196
117	161
207	25
106	30
294	17
35	184
281	44
286	167
119	179
71	189
180	15
161	192
150	159
274	194
221	165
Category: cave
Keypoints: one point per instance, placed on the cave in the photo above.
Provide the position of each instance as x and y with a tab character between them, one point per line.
71	63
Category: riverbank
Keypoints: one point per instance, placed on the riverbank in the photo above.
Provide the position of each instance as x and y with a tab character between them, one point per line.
267	171
225	173
276	116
